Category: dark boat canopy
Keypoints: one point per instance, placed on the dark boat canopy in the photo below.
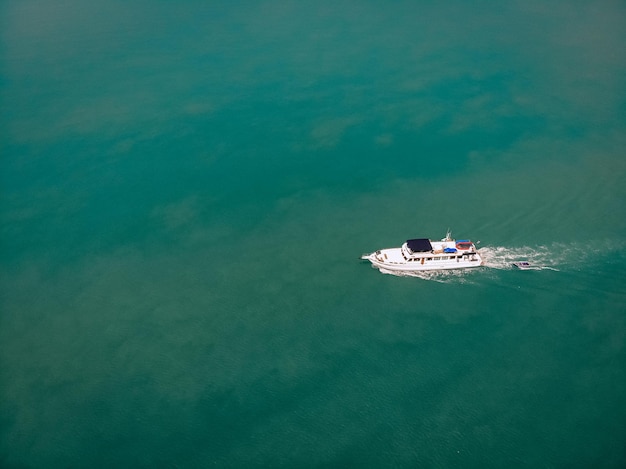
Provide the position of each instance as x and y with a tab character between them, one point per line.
419	245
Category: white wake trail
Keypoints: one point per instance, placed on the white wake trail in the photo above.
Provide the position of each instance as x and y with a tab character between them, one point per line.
551	257
541	257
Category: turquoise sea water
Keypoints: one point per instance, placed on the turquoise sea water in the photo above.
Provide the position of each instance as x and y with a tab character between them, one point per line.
186	189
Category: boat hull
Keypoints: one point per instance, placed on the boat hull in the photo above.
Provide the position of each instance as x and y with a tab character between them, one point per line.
426	266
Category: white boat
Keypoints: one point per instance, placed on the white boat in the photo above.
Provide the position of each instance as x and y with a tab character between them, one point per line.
417	255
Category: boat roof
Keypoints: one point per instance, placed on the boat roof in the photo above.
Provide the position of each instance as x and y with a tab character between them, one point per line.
419	245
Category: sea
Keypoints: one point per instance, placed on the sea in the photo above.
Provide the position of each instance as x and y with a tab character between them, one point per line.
186	189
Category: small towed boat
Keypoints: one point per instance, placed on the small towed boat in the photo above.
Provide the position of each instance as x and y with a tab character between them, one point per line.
524	265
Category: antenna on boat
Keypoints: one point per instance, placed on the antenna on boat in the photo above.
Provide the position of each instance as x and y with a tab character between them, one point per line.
448	235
